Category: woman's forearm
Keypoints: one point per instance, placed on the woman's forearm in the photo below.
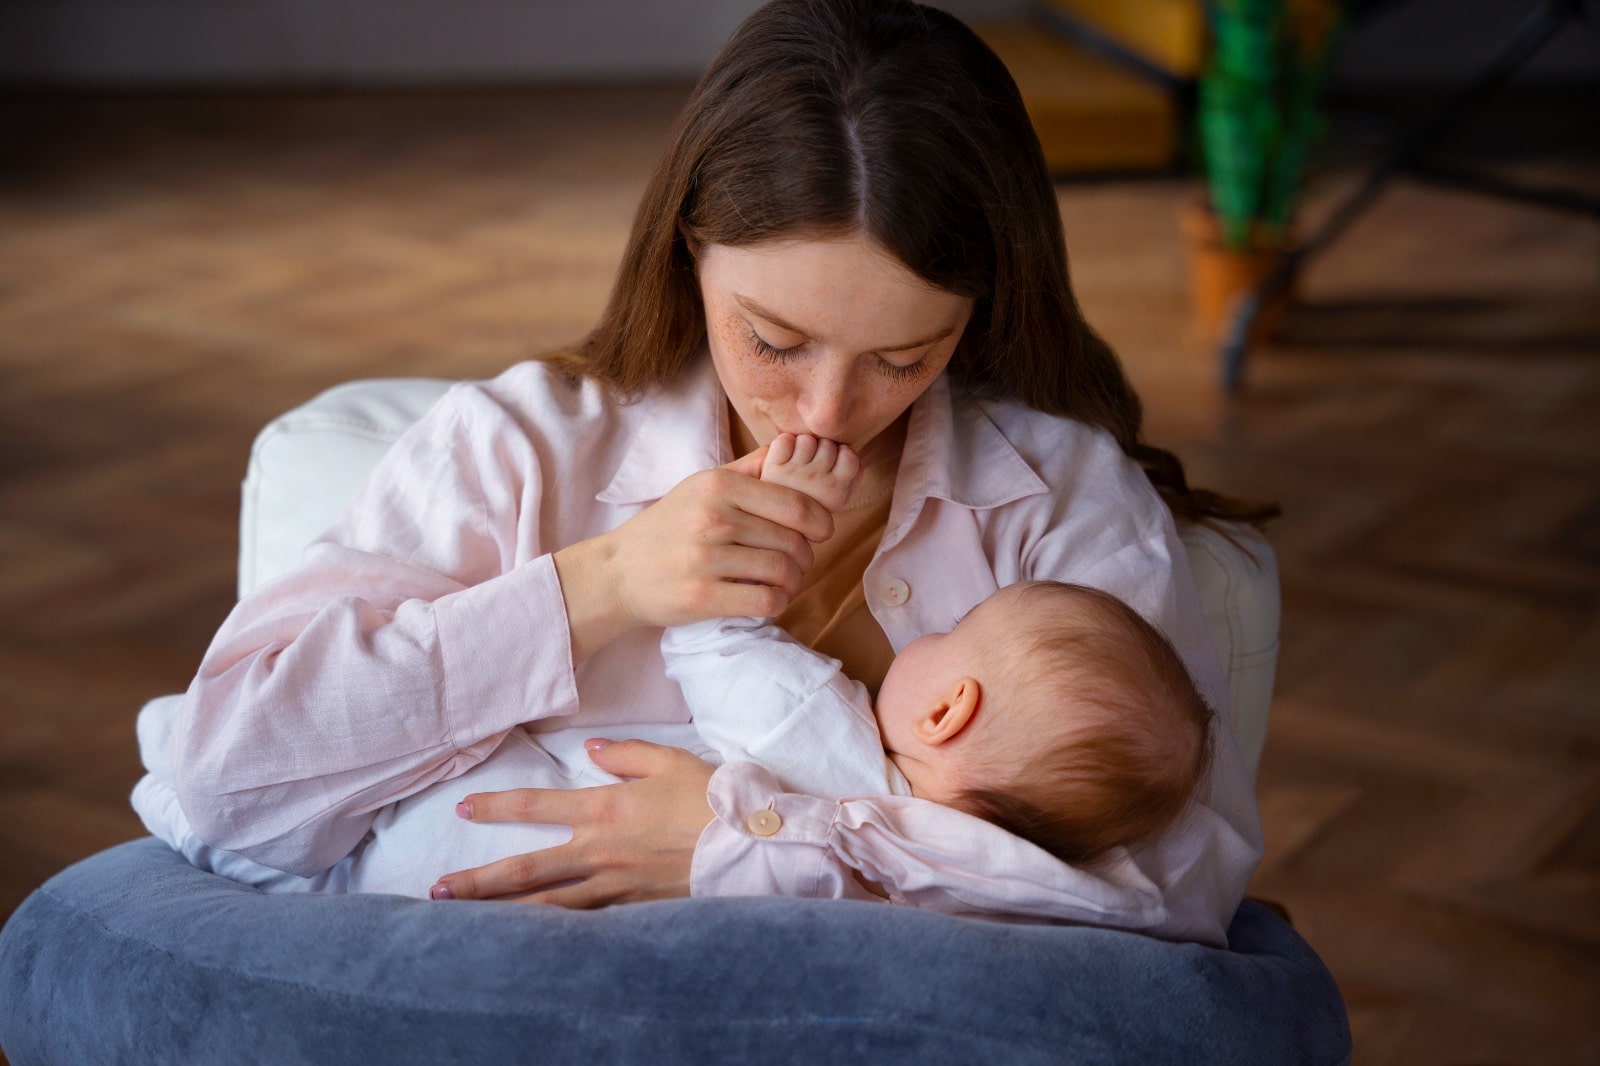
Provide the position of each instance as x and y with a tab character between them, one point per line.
426	624
317	704
590	585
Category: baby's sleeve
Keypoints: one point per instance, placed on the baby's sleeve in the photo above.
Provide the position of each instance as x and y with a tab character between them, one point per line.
758	695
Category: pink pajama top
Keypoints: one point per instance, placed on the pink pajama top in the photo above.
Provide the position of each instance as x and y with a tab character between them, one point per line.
429	622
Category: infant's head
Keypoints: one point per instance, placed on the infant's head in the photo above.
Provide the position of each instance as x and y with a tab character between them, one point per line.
1054	711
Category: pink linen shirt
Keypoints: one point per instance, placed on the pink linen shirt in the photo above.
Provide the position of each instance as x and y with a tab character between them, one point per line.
429	622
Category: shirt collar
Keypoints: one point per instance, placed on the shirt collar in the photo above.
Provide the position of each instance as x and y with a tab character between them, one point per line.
952	452
670	441
955	452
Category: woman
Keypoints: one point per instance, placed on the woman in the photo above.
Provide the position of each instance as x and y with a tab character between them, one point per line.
852	234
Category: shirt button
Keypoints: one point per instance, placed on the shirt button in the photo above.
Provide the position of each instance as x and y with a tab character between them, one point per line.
896	592
764	823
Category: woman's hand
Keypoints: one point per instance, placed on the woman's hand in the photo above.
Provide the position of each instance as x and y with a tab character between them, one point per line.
631	841
721	543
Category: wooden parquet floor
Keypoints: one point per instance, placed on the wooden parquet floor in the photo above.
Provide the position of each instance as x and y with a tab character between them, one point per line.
174	272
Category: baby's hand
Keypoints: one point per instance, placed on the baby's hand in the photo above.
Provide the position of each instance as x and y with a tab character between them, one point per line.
821	469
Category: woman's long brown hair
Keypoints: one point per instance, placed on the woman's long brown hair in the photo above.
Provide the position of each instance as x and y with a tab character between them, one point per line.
893	120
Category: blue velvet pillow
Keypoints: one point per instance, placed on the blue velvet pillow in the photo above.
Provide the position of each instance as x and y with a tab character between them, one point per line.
134	956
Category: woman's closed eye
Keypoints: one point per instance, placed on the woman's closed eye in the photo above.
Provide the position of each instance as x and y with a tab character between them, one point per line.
898	372
772	351
895	371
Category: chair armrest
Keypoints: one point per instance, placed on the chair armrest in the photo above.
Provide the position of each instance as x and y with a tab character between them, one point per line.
307	464
1237	573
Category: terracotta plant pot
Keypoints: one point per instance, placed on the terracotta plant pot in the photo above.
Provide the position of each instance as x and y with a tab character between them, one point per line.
1219	275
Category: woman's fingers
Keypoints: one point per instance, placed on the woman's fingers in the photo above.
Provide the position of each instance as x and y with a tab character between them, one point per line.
683	557
749	465
516	876
552	806
630	841
739	530
763	566
520	873
777	504
640	758
686	556
584	895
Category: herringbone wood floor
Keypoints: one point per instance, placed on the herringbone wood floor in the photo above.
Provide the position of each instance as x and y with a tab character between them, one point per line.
175	272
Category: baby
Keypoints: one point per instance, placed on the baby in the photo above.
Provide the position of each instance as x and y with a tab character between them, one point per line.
1051	710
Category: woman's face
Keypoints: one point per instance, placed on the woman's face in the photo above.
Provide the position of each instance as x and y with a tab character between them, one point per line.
832	337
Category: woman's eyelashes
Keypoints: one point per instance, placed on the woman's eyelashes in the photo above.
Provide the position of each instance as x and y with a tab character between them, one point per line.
895	371
772	351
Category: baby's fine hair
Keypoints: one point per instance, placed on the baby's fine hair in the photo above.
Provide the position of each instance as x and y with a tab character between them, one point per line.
1125	761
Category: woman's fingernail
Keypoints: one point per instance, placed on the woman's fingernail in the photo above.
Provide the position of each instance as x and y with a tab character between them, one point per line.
441	891
596	743
464	809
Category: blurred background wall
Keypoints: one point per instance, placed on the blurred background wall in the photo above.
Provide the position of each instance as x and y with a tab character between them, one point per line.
359	43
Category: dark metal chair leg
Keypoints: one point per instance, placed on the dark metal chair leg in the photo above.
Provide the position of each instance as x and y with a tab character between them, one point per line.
1547	19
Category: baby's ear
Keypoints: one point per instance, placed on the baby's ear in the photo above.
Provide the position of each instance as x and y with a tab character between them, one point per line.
951	715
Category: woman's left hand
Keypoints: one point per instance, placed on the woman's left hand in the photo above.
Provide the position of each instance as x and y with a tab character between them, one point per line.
631	841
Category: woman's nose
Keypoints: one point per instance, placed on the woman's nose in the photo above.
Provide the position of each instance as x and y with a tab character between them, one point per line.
827	407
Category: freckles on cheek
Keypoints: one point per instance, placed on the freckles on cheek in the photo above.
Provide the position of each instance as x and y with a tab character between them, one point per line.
764	380
733	344
724	337
896	397
758	378
752	383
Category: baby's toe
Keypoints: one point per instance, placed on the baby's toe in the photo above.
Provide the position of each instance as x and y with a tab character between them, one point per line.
805	448
781	450
847	465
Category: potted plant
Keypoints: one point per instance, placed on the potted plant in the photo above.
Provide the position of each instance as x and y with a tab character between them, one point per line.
1257	117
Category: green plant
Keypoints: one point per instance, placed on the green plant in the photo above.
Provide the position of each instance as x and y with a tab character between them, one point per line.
1257	109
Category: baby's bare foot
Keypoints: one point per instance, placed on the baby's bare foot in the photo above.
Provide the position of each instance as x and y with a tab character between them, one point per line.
821	469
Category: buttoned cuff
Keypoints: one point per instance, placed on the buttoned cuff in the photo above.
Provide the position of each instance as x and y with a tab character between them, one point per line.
763	841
